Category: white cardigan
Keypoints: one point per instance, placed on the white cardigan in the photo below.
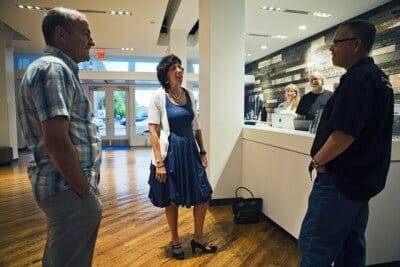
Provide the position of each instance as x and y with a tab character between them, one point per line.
158	115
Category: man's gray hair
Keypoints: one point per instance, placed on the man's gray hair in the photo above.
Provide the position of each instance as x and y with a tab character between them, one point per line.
319	75
58	16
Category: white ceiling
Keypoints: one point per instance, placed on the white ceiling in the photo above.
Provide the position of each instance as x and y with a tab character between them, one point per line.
274	23
109	31
137	31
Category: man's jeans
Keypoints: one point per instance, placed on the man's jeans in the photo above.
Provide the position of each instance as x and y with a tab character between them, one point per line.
72	225
333	230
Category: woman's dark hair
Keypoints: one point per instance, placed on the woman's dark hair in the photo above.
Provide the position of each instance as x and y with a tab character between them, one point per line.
162	69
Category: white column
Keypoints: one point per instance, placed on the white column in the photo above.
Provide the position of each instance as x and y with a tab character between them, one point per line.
132	114
177	46
222	47
8	124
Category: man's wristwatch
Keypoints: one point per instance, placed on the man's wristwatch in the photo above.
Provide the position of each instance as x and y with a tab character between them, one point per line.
203	152
314	163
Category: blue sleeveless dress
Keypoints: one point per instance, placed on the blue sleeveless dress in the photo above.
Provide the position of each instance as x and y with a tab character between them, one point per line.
186	183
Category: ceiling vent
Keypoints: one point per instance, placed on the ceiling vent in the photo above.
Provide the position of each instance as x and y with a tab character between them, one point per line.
92	11
296	11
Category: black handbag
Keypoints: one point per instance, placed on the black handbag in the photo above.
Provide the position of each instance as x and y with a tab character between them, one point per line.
246	210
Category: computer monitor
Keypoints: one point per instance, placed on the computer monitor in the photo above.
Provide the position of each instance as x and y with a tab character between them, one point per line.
284	121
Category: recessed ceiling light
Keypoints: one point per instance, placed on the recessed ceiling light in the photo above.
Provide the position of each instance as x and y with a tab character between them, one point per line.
263	47
34	8
320	14
126	13
270	8
302	27
279	36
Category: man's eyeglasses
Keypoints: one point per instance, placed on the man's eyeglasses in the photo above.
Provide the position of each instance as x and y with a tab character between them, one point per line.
343	40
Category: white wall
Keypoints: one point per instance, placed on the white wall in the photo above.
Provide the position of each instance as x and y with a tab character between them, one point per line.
8	124
221	40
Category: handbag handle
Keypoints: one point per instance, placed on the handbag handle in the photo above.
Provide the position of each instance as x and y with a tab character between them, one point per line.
245	188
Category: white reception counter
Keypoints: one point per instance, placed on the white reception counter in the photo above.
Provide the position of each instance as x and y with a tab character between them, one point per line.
275	165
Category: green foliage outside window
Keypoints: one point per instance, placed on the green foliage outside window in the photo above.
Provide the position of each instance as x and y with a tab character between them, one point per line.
120	104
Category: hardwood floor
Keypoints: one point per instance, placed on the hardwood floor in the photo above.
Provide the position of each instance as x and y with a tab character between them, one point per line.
132	231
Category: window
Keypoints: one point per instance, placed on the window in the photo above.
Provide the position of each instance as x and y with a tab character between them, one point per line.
195	68
22	60
146	66
143	92
196	92
112	63
116	65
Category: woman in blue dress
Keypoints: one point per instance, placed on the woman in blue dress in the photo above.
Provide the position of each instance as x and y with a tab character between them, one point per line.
177	173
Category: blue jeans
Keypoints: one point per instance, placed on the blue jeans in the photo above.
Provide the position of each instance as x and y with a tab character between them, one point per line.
333	229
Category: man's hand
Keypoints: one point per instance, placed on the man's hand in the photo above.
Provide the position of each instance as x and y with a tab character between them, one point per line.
82	191
320	169
62	153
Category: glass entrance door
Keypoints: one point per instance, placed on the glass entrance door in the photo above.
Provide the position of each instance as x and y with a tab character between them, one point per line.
99	111
111	112
119	113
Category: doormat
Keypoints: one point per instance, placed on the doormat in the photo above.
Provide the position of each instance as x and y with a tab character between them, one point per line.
115	148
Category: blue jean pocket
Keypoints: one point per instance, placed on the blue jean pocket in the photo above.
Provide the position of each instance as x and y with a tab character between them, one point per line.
325	187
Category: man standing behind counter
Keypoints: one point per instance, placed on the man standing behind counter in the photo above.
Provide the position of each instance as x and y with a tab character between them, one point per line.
314	102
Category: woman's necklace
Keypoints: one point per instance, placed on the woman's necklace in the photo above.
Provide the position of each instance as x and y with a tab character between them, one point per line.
179	98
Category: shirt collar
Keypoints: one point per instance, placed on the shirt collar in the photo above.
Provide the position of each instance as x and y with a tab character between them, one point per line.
363	61
50	50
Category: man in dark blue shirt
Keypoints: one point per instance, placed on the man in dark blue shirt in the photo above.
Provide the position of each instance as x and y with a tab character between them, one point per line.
351	153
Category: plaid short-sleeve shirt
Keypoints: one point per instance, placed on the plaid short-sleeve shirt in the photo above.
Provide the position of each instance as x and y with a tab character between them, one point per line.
51	87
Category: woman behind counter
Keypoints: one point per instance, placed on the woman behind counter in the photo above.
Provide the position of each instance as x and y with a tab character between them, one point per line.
292	99
177	173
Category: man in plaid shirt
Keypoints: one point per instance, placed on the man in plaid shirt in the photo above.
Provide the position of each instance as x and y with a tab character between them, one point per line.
56	119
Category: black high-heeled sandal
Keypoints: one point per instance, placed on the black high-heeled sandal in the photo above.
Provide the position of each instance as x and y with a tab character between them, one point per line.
203	247
177	252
